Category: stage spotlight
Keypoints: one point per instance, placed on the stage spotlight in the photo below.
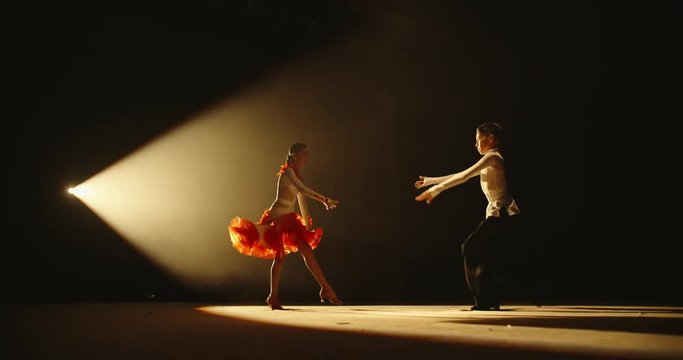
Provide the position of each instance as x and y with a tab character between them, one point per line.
79	191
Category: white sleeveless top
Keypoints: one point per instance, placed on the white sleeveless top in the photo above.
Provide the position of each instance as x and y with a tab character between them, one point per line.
492	174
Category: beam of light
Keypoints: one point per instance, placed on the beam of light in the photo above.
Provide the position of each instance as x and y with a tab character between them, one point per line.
173	198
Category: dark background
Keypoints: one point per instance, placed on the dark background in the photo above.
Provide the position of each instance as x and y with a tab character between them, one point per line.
89	83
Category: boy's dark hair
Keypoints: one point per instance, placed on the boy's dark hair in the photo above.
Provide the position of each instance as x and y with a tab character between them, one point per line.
491	128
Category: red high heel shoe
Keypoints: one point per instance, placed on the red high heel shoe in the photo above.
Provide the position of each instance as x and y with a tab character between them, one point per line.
330	296
274	303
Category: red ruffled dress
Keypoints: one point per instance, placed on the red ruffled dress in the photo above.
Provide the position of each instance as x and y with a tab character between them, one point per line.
272	237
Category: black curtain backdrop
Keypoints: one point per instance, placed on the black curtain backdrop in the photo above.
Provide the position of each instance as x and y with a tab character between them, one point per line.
89	83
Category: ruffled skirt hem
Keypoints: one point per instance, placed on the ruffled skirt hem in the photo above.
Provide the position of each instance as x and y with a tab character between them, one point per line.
272	237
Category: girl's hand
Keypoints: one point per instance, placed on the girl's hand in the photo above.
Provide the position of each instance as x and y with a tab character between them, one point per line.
330	204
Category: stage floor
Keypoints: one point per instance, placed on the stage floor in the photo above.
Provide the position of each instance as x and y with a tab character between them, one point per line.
153	330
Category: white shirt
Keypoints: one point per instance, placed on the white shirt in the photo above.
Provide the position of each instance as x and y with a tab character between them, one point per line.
492	174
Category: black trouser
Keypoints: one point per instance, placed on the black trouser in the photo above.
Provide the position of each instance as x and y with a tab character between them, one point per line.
481	254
